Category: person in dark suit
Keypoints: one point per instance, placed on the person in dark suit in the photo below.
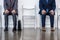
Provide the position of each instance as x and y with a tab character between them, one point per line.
10	8
47	7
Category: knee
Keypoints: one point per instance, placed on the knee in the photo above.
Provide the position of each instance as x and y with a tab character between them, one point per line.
13	14
6	14
52	14
43	14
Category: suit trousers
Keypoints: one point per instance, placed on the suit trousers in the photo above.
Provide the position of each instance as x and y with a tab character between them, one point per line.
14	20
43	17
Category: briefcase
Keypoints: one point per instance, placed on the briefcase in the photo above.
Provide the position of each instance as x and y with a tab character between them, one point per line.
19	25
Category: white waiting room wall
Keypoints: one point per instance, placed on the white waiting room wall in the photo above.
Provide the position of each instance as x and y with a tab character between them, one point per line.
31	4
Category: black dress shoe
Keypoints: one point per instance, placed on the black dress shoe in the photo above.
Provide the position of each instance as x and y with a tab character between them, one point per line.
52	29
14	29
6	29
19	29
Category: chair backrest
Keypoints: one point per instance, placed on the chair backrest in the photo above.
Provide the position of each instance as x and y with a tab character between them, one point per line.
28	11
29	4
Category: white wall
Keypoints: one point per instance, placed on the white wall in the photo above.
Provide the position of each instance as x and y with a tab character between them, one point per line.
30	4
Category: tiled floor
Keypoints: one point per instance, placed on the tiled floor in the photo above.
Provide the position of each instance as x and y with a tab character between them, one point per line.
30	34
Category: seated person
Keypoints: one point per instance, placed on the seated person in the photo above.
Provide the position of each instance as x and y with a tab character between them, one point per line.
10	8
47	7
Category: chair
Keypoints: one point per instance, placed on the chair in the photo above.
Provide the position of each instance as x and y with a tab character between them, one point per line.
29	17
58	18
